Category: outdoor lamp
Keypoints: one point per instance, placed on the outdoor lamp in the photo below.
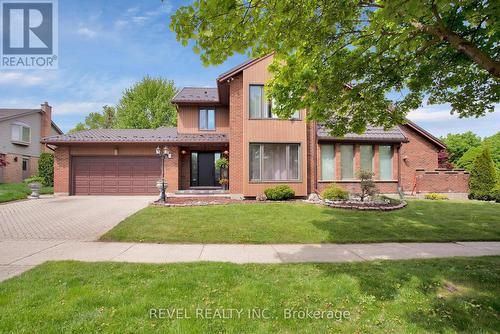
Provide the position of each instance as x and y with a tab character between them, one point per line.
162	185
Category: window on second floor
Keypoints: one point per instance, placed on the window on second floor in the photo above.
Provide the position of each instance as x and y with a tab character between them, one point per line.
261	107
20	133
207	119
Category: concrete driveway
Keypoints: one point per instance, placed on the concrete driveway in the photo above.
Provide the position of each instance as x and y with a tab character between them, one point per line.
81	218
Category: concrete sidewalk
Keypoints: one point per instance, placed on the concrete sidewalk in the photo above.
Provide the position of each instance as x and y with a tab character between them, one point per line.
17	256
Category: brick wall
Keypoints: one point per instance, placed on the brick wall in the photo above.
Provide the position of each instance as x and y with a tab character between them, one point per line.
236	112
13	172
62	168
442	181
185	169
172	169
418	153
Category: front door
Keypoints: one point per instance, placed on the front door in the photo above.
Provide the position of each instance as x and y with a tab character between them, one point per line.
206	169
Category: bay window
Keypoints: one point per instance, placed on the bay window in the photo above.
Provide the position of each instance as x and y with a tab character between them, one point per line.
366	157
385	162
274	162
347	162
327	162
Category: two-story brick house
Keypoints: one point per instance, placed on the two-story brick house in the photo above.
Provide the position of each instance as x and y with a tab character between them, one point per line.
236	119
21	131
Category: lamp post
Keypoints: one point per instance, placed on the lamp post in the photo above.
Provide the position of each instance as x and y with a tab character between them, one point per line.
162	185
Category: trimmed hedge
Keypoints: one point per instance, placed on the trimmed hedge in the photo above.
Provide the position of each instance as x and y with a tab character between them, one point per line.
279	193
334	192
46	168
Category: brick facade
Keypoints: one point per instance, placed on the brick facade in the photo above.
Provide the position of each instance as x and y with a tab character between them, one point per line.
236	111
62	170
418	153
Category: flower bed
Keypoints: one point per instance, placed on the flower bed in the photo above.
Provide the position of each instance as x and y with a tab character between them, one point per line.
369	205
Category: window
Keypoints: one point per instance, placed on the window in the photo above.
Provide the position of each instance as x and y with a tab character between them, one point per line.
207	119
328	162
385	162
260	107
25	164
366	152
21	133
347	162
274	162
194	169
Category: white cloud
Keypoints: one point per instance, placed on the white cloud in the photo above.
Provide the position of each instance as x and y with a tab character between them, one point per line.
436	113
77	107
23	78
86	32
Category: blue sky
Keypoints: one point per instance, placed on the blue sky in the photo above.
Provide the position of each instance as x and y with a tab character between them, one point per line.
106	46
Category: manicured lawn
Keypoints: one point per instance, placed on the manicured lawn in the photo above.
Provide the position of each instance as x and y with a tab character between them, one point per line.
14	191
305	223
440	295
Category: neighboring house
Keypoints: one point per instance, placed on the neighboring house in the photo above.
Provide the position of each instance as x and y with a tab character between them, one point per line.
21	131
236	119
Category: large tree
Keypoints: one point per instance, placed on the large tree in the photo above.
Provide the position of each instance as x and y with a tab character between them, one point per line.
105	119
459	143
352	60
147	105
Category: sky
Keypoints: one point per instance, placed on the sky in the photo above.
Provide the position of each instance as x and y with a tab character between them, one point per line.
107	46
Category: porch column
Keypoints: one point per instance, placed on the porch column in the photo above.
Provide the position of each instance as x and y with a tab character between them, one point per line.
338	165
62	170
357	160
376	163
172	169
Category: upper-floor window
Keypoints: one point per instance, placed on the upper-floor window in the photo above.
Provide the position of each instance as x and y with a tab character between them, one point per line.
20	133
207	119
261	107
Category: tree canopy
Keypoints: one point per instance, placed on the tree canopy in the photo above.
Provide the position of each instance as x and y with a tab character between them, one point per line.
105	119
147	105
466	161
459	143
391	55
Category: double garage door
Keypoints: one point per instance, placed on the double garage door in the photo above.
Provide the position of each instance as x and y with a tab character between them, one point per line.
115	175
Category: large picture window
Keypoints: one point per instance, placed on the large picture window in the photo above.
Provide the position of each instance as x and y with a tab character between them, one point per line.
385	162
347	162
327	162
274	162
366	157
207	119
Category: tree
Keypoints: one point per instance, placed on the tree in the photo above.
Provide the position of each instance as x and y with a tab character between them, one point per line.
493	143
98	120
147	105
46	168
483	179
342	60
366	184
460	143
3	160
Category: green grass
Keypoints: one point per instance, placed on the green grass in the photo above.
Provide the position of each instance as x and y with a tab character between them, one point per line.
436	296
305	223
15	191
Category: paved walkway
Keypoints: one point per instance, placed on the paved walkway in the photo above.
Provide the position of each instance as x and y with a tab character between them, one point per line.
17	256
67	217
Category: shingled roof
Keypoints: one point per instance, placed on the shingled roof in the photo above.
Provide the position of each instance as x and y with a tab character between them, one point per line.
160	135
196	95
372	133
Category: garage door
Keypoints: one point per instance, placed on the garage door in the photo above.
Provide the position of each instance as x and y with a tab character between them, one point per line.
115	175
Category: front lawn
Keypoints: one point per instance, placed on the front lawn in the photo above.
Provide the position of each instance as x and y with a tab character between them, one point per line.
14	191
439	295
305	223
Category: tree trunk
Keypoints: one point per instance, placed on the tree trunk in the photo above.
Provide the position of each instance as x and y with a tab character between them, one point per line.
463	46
